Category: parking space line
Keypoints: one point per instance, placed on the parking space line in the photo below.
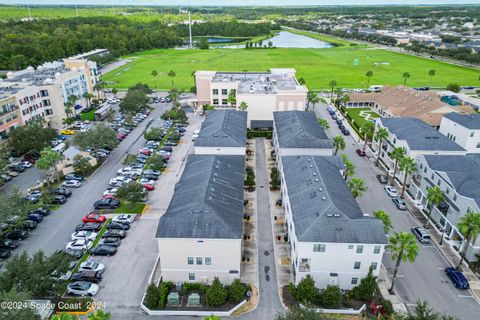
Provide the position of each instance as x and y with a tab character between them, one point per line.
464	296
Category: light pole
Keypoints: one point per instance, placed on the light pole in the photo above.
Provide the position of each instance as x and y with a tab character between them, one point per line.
443	232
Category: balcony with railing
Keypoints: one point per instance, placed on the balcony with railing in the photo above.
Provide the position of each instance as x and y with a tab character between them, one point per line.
304	265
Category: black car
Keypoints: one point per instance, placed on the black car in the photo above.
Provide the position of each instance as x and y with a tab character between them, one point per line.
73	176
346	132
338	121
16	235
114	233
8	244
77	254
111	241
58	199
4	253
118	225
103	250
382	179
108	203
33	198
17	167
90	276
61	192
141	161
37	217
89	226
29	225
341	127
334	116
167	148
150	177
42	211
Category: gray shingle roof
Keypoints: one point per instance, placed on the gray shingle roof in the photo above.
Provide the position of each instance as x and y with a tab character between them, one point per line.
462	171
223	128
322	206
208	199
469	121
419	135
299	129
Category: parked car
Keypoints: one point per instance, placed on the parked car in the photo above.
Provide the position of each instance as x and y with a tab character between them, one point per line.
61	191
345	132
90	276
57	199
88	227
29	225
400	203
334	116
167	148
148	187
8	244
382	179
458	278
12	174
33	198
77	254
71	184
112	241
37	217
82	288
79	244
108	203
42	211
391	191
4	253
16	235
110	191
118	225
17	167
150	177
67	132
73	176
170	143
421	234
91	266
128	170
94	217
26	164
144	181
84	235
152	172
5	177
103	250
361	152
118	233
124	218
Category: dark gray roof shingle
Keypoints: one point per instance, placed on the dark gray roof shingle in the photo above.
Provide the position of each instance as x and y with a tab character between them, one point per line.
208	199
419	135
223	128
469	121
322	206
299	129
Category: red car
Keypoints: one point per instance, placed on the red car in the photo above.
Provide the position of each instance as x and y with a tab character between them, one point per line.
145	152
110	195
95	218
149	187
361	152
122	136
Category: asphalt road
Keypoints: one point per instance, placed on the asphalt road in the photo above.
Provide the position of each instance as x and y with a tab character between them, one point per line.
25	180
424	279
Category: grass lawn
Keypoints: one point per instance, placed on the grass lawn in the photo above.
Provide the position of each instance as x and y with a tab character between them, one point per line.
354	113
125	207
317	66
88	115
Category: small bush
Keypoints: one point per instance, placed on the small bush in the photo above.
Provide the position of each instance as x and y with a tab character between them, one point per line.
387	306
237	291
251	134
163	293
306	291
366	289
193	286
216	294
330	297
152	297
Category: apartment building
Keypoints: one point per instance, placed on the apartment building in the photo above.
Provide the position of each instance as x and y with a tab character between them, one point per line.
263	92
10	117
462	129
200	234
458	176
224	131
402	101
330	238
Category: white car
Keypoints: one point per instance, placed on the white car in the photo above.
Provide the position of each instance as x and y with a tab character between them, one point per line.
26	164
84	235
79	244
71	184
146	181
119	181
82	288
129	170
91	266
391	191
110	191
124	218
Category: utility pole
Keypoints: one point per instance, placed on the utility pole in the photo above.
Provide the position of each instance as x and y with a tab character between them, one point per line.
76	9
190	29
29	13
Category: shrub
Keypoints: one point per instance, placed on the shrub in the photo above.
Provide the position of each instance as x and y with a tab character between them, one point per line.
366	289
193	286
259	134
155	134
330	297
306	291
237	291
274	178
163	293
387	306
216	294
152	297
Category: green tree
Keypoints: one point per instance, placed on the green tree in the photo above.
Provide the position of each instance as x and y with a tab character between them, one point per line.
99	87
237	291
312	98
366	289
156	162
17	296
407	166
368	128
454	87
216	294
114	92
154	75
369	74
232	97
48	159
99	315
243	106
349	167
133	102
435	196
385	218
13	208
203	44
100	136
357	187
155	134
270	44
324	123
298	313
431	74
172	75
64	316
397	155
305	291
274	178
332	86
404	248
338	143
331	297
132	193
31	137
380	135
405	76
301	81
70	105
81	165
469	227
129	159
152	297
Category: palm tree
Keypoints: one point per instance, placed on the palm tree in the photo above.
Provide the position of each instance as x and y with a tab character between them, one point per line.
469	227
154	75
431	74
172	75
243	106
87	96
312	98
369	74
114	91
338	143
99	315
405	76
349	167
70	105
407	166
332	85
324	123
403	247
381	135
367	129
397	154
357	187
232	97
99	86
434	197
385	218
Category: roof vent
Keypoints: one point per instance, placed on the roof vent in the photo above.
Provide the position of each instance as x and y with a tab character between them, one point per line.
323	198
314	173
329	215
309	160
320	189
311	166
336	215
316	180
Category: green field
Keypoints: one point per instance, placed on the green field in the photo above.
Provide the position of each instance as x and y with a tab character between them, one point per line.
354	113
317	66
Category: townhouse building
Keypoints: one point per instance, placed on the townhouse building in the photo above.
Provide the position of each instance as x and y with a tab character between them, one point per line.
10	117
462	129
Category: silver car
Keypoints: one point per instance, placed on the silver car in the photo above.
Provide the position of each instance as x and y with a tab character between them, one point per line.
82	288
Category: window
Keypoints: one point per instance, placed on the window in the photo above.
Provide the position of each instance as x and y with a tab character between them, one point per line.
224	102
433	177
356	265
425	170
190	260
208	261
224	91
455	197
478	145
472	133
439	182
421	165
354	280
215	92
373	266
215	101
191	276
319	247
350	246
360	249
447	191
199	260
376	249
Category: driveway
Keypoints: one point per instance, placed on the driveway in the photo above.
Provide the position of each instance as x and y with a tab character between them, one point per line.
424	279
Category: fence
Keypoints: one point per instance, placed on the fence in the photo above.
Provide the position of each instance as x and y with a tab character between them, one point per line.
340	311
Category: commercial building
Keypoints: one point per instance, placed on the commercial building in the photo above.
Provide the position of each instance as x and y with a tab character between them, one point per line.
200	234
263	92
459	179
463	129
224	131
9	116
330	238
402	101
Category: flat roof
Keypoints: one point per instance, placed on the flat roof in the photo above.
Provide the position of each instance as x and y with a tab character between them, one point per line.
223	128
259	82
